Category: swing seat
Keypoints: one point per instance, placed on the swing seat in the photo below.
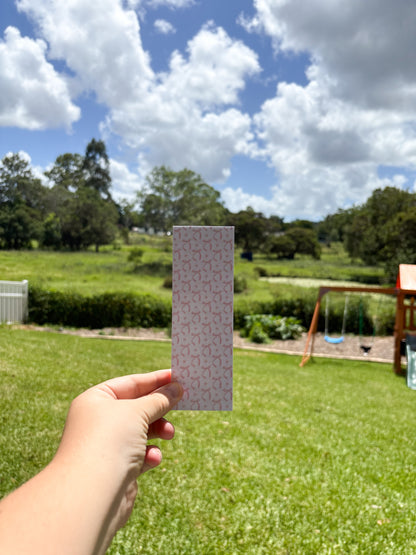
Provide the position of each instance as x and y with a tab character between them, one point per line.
334	340
365	349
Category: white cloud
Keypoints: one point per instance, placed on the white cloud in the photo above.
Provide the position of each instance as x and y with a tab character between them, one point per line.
33	95
102	47
170	3
184	119
237	199
164	27
125	183
186	116
327	139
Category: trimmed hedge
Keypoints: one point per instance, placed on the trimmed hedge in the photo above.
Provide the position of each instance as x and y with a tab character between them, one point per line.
97	311
147	311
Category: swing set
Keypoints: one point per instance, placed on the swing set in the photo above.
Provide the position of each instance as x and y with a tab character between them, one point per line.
405	319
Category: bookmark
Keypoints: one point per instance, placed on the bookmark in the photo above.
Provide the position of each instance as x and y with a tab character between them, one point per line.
202	316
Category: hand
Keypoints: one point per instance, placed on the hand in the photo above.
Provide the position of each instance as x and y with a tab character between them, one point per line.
109	426
86	493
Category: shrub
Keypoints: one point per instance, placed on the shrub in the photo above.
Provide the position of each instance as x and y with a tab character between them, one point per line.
260	326
167	282
257	334
154	268
261	272
98	311
240	284
135	255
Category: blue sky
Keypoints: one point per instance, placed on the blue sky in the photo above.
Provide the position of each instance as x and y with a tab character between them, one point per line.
296	109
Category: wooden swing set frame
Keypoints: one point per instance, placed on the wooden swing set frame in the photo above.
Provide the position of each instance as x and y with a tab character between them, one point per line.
405	320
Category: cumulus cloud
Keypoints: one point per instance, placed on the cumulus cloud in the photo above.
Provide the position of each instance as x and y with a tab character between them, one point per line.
171	3
187	116
125	182
185	119
327	139
102	47
33	94
164	27
237	199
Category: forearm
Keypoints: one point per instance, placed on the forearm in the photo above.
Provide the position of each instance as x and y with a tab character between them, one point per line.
67	508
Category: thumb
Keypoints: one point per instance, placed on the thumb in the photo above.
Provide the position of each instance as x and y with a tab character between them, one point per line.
161	401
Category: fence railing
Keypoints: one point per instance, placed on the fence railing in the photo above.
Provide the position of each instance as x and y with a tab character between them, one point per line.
13	301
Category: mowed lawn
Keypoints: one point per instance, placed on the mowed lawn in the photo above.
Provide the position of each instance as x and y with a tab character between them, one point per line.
319	459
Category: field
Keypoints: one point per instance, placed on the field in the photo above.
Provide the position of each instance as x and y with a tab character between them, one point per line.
110	270
313	460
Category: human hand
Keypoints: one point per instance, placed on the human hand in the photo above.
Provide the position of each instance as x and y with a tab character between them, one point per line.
106	433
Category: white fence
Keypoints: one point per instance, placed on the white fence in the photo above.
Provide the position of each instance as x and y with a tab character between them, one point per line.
13	301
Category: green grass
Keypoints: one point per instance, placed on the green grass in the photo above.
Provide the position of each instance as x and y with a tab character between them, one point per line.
319	459
85	272
90	273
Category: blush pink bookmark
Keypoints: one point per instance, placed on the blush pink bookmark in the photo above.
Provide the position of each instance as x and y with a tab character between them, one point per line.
202	316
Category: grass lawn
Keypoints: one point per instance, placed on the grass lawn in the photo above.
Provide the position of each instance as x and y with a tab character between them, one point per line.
318	459
89	272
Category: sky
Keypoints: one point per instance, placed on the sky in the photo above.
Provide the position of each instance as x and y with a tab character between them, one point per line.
295	108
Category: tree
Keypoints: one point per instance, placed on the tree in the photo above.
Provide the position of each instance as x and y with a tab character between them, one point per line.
282	246
250	229
400	246
333	227
51	235
19	185
22	199
96	166
306	241
297	240
89	220
178	198
365	237
67	172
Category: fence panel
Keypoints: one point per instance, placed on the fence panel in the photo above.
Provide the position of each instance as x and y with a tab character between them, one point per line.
13	301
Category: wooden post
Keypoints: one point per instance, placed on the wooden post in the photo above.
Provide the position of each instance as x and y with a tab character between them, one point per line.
398	333
313	328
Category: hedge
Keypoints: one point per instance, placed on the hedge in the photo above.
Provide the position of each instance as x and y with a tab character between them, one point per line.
97	311
147	311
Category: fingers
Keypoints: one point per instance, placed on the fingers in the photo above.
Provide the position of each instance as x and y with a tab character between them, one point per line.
161	429
160	402
135	385
152	458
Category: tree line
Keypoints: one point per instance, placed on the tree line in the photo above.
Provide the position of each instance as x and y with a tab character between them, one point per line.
72	208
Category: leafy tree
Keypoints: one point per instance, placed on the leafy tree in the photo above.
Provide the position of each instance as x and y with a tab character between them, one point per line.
297	240
51	235
89	220
365	237
67	172
306	241
96	166
178	198
21	203
304	224
251	229
282	246
18	226
400	246
19	185
332	228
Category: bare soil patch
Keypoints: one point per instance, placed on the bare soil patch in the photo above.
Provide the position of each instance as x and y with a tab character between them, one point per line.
382	348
